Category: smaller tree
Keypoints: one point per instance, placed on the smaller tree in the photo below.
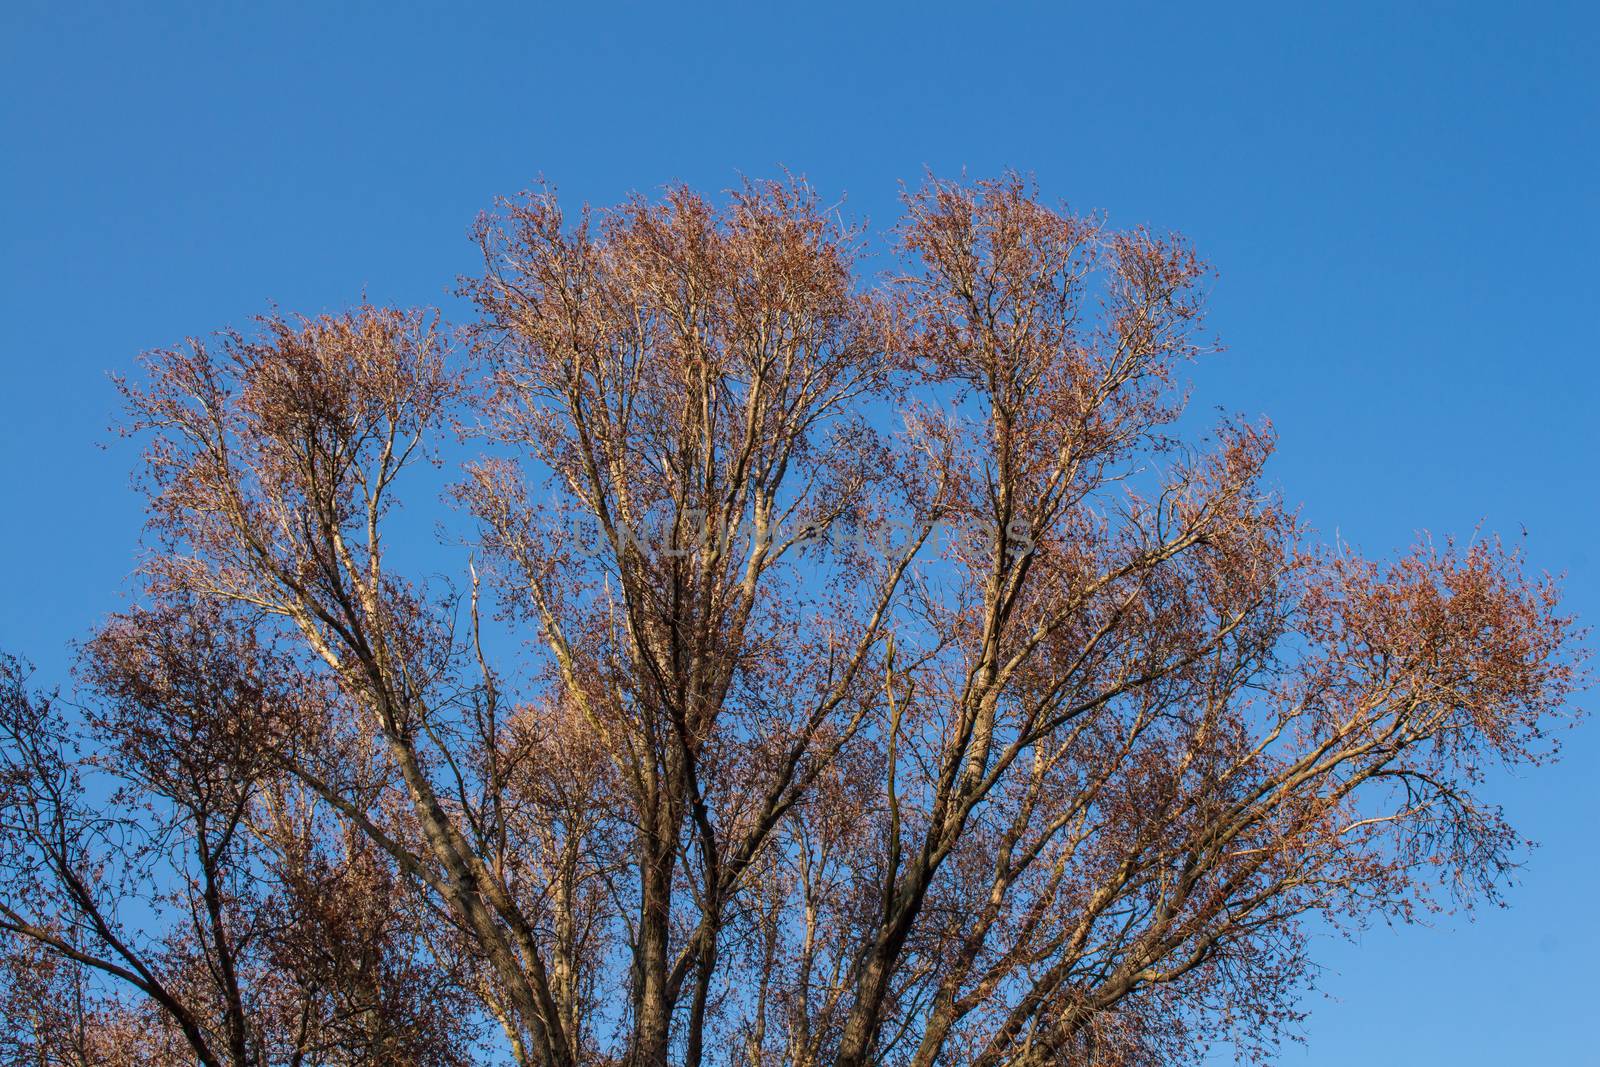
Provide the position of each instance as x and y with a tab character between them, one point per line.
149	839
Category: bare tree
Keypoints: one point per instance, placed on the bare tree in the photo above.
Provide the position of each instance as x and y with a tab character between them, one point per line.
902	687
161	860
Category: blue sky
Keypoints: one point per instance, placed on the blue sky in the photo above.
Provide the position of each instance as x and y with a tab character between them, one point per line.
1399	198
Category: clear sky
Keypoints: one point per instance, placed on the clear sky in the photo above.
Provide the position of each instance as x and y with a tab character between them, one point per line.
1400	198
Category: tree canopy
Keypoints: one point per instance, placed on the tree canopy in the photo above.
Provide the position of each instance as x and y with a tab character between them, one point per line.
844	670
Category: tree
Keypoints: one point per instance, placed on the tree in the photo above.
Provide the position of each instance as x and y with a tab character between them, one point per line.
191	875
901	686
